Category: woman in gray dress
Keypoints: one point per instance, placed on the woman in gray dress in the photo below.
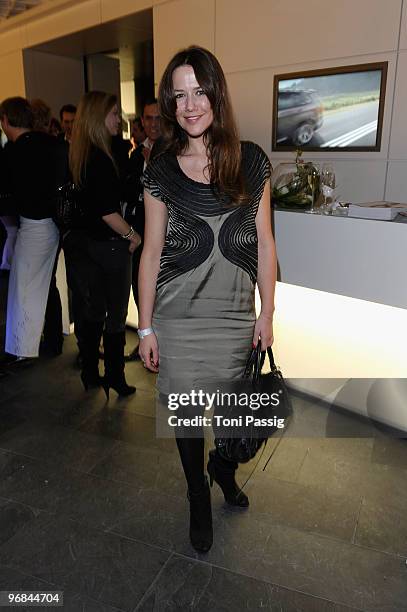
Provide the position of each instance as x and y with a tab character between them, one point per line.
208	240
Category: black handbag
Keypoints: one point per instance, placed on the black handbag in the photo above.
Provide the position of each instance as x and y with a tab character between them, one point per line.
243	441
69	211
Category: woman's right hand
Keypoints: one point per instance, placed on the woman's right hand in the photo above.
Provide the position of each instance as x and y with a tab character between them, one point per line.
148	351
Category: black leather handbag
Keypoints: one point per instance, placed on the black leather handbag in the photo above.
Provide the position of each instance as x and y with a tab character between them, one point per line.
69	212
242	442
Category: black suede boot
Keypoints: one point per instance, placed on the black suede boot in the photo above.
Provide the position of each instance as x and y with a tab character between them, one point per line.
192	454
200	525
223	472
114	365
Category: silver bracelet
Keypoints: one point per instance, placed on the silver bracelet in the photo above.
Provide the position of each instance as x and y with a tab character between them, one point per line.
129	234
142	333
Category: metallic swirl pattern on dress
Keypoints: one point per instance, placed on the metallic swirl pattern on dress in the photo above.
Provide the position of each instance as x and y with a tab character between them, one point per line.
238	240
189	243
238	234
190	239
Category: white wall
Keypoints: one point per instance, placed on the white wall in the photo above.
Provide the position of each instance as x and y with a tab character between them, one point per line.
103	74
180	23
12	75
55	79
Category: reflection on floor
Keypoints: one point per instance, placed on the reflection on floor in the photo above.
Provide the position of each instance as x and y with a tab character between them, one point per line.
93	504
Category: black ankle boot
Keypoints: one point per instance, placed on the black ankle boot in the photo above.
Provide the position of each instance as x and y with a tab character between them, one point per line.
114	365
200	526
119	385
223	473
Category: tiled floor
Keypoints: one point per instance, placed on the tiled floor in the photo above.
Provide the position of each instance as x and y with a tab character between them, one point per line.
93	504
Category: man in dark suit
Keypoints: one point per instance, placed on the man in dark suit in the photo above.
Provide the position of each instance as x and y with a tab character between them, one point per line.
134	213
67	117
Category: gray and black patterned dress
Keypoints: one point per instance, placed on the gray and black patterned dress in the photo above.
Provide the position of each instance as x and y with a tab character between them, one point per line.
204	311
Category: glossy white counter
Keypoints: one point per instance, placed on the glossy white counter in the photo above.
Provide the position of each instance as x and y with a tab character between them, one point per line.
341	311
359	258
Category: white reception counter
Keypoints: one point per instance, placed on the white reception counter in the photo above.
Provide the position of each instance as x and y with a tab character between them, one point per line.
359	258
341	311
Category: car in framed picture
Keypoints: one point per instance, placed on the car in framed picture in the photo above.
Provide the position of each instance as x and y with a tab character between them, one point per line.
340	109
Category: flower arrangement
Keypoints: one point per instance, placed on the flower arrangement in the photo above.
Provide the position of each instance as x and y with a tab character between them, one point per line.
295	184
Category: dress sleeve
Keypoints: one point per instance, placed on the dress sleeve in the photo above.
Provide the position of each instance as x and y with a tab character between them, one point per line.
265	167
152	179
257	169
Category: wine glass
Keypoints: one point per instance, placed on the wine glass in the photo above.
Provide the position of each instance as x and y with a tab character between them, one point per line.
328	183
313	180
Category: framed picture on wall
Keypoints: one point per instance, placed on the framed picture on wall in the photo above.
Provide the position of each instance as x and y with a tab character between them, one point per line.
340	109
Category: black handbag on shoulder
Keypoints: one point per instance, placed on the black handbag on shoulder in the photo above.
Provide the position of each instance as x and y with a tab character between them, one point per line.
69	211
243	441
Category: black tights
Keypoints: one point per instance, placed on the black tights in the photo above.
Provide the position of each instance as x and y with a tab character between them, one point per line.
192	453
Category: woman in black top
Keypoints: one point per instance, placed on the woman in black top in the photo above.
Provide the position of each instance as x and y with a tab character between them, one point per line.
110	239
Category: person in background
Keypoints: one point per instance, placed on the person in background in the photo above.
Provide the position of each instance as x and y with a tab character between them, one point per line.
54	127
67	117
150	120
110	240
42	115
35	175
134	212
137	135
52	334
207	241
75	248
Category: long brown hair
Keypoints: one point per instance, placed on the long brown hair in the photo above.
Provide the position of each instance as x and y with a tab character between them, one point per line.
89	129
221	138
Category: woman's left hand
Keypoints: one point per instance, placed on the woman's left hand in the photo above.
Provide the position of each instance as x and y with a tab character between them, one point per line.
135	242
264	330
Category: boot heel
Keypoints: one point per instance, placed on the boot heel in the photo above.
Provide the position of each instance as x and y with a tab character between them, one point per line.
114	364
122	389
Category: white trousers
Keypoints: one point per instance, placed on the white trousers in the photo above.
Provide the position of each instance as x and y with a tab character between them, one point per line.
30	277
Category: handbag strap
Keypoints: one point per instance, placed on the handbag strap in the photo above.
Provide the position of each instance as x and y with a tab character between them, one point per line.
256	361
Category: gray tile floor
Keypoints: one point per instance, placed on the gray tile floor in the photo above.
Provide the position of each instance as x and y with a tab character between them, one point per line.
93	504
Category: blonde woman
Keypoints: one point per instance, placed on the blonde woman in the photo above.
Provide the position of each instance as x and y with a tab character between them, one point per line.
106	267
